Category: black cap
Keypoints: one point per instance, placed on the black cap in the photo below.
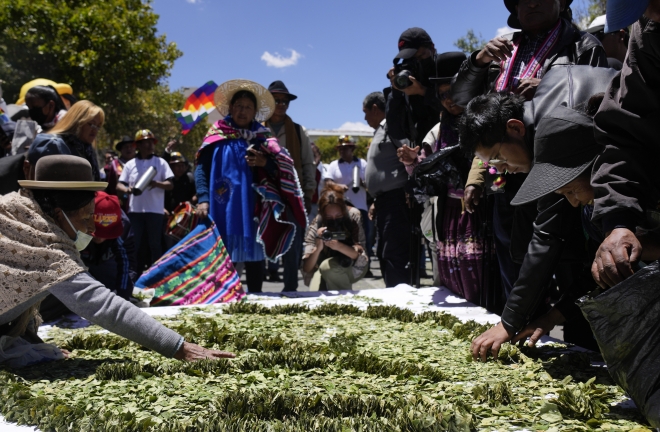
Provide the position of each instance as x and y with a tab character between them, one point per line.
411	40
123	141
278	87
448	65
564	148
46	145
513	21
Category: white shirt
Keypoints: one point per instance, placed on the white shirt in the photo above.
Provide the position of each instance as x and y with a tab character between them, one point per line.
342	173
151	200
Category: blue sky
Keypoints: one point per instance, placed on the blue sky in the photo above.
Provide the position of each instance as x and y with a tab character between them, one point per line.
342	49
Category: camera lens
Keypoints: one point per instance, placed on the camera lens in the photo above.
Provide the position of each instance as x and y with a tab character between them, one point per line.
402	80
327	235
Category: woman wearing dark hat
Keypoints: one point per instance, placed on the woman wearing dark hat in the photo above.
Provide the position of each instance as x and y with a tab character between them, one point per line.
458	253
44	226
244	180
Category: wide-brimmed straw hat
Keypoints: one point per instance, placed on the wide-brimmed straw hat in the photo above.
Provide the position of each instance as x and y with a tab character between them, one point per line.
225	91
564	148
63	172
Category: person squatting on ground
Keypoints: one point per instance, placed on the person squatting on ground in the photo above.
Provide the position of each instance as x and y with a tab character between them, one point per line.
334	254
340	171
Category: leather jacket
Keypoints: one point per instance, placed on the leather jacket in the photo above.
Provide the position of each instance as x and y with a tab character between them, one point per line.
412	117
573	47
557	237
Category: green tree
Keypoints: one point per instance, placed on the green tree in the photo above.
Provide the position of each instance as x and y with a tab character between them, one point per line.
470	42
327	145
587	10
107	50
154	111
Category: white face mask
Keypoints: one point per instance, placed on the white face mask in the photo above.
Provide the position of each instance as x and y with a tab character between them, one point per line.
82	239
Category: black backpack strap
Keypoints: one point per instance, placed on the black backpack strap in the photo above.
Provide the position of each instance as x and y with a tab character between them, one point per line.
298	132
387	135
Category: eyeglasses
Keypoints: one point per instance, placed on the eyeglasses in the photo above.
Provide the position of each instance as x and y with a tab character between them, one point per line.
284	102
498	159
94	126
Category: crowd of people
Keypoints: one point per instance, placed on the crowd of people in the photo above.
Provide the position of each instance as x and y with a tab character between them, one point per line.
526	169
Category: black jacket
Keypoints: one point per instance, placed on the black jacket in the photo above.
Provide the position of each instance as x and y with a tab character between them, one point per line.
413	117
83	150
573	47
11	171
184	190
549	235
556	237
625	176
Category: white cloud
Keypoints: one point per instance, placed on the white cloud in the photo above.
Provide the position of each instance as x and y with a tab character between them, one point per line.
356	127
504	30
278	61
193	1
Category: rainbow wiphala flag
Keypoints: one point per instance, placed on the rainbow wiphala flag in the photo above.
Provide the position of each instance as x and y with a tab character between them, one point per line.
198	106
3	116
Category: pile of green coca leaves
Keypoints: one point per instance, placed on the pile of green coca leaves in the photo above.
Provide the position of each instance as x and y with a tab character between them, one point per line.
331	368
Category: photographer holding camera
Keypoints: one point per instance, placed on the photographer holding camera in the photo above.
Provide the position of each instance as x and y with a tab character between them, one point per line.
413	105
334	255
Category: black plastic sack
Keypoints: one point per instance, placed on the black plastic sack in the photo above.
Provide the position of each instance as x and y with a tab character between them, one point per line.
626	322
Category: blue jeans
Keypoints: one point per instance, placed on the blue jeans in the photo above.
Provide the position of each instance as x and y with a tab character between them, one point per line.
152	225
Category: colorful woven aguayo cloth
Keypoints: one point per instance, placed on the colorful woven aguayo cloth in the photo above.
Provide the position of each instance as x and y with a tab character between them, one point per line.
196	271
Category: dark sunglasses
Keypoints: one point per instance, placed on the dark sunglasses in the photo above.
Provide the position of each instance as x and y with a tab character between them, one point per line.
284	102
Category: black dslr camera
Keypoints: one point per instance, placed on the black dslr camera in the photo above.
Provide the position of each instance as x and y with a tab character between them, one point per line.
333	235
404	70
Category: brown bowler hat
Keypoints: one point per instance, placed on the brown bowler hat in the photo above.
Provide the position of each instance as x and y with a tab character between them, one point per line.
63	172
